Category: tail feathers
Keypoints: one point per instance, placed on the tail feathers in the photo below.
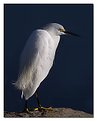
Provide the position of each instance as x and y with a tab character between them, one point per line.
27	91
18	85
28	88
22	84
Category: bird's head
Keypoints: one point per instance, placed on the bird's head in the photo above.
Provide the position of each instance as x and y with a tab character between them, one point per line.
58	29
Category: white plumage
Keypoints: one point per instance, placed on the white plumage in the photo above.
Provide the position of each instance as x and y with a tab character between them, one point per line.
37	58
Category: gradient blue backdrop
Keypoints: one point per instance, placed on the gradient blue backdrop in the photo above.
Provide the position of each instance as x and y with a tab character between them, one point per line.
70	81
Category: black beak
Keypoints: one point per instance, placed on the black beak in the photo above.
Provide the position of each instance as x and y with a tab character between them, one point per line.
70	33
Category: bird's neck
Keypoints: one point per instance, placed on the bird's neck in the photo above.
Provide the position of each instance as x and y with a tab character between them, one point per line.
56	41
55	38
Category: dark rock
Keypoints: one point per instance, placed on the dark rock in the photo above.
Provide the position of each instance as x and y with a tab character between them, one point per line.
55	112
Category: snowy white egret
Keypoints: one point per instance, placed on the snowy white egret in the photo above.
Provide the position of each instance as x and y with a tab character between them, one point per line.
37	58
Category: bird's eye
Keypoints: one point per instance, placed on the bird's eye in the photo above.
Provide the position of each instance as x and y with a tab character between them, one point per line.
61	30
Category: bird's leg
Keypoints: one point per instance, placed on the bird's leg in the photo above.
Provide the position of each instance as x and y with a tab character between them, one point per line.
26	108
37	98
40	108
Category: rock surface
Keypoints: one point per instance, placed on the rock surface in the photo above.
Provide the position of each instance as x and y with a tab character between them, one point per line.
55	112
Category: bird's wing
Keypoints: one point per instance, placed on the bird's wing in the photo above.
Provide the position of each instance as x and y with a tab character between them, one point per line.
34	46
31	56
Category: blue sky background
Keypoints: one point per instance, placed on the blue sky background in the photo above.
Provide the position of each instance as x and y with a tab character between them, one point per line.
70	81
